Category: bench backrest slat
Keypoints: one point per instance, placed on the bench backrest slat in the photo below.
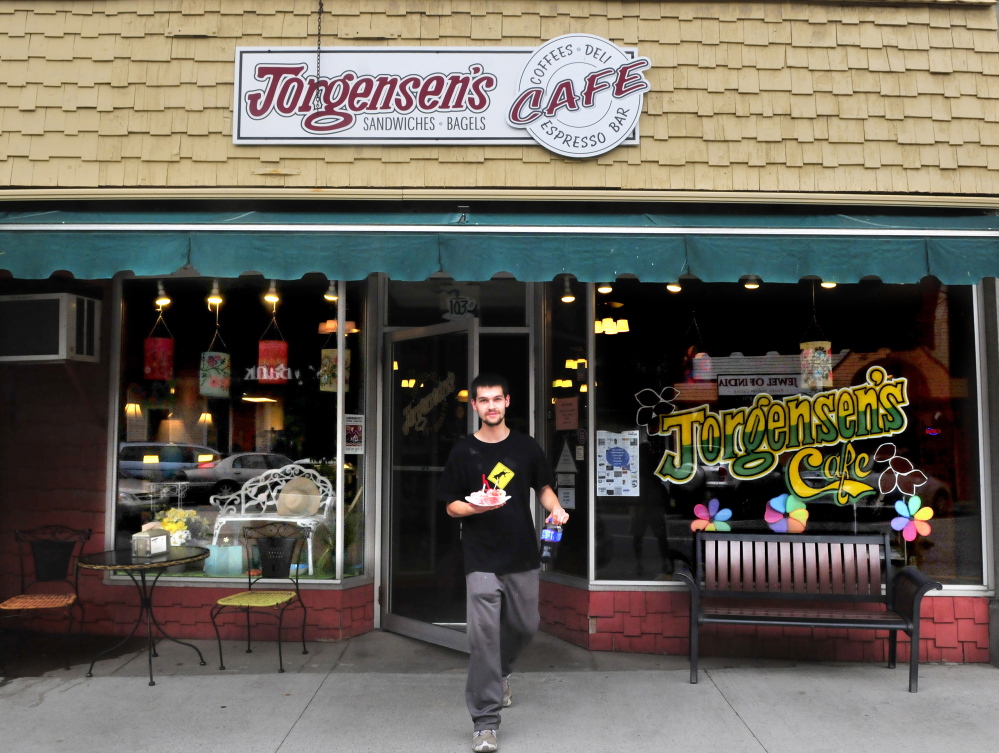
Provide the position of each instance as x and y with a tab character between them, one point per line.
836	569
795	566
874	557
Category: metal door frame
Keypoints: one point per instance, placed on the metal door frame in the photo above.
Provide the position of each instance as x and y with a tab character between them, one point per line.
425	631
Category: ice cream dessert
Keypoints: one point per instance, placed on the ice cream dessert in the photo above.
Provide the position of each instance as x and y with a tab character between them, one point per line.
487	496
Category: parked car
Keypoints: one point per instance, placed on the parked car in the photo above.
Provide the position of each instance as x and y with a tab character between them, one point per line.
162	461
227	475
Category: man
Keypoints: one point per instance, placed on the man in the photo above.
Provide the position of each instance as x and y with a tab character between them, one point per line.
500	547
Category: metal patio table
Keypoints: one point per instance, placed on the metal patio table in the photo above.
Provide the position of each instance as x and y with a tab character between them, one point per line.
122	560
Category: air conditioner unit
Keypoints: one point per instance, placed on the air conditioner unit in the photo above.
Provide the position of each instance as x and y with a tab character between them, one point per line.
49	327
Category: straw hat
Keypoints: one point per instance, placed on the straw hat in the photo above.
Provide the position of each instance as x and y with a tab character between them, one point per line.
299	498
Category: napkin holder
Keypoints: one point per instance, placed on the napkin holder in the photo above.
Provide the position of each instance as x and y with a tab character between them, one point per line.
150	541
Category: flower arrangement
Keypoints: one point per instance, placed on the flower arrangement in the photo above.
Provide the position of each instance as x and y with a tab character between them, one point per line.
183	525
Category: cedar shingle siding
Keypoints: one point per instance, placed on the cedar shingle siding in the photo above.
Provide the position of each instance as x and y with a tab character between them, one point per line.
745	96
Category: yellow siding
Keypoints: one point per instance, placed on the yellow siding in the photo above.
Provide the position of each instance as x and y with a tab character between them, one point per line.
745	96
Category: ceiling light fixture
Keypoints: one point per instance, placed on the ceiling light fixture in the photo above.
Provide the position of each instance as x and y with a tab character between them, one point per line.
828	285
751	282
215	297
622	326
330	295
162	299
674	287
271	296
567	294
604	287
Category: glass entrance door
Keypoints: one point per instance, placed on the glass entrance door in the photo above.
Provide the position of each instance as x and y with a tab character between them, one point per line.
429	369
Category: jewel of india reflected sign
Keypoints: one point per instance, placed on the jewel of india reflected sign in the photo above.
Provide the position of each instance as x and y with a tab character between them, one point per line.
749	440
577	95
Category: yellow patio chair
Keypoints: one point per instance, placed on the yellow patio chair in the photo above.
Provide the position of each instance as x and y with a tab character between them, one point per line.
279	547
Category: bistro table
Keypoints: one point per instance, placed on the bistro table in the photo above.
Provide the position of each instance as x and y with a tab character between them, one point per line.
122	560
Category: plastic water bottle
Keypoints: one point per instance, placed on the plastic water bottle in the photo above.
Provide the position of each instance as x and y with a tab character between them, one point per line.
550	536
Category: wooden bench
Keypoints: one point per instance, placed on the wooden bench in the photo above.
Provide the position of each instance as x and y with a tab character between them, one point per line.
762	579
258	500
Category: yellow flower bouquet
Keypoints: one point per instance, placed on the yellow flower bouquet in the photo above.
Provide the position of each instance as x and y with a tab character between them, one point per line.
183	525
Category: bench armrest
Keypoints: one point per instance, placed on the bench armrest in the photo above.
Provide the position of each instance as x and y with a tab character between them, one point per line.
909	586
682	571
227	504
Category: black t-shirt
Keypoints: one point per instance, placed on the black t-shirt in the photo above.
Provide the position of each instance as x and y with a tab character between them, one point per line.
503	540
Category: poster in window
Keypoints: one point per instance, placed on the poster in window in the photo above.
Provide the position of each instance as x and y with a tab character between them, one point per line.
617	464
354	428
567	414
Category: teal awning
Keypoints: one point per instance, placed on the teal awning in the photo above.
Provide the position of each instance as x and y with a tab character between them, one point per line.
722	246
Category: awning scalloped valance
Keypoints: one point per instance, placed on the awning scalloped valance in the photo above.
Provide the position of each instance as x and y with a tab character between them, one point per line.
959	249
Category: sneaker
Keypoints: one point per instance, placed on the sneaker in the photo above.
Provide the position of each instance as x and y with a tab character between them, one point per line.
507	692
484	741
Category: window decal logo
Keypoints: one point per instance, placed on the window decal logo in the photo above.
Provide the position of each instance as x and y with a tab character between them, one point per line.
748	441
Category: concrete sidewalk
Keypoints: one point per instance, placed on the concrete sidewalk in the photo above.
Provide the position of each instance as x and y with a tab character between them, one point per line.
382	692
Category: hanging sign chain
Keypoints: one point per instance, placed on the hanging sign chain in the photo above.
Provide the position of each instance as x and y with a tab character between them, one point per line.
218	332
317	103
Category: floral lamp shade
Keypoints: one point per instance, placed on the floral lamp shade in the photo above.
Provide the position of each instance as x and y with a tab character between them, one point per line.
215	374
158	358
272	362
816	365
328	371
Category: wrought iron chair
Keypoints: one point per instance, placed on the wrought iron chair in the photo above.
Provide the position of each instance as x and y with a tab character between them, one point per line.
47	558
280	547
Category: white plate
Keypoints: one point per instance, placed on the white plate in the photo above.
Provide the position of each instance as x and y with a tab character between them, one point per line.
473	499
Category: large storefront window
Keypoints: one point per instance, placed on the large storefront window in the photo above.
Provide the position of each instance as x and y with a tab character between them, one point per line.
788	408
229	394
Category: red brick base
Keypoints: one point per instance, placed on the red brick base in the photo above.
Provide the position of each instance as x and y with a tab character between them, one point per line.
953	629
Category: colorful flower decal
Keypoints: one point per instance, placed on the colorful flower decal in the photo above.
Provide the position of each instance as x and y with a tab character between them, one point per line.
654	404
912	517
786	513
711	518
900	473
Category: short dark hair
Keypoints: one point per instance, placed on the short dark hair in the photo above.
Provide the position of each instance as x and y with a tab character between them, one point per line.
488	380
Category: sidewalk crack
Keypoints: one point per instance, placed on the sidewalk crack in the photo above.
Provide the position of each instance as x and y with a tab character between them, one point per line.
299	717
737	714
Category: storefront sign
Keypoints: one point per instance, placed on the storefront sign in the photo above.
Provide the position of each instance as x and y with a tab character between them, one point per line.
754	384
748	441
577	95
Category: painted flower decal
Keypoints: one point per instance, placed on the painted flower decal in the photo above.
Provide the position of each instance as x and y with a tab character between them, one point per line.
900	473
786	513
654	404
912	517
711	518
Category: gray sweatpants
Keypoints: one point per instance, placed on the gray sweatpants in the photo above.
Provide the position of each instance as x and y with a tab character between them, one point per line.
502	620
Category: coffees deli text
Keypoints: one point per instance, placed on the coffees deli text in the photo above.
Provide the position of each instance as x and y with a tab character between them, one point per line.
749	440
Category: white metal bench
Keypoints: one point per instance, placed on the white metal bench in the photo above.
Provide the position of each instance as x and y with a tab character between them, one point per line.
258	500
